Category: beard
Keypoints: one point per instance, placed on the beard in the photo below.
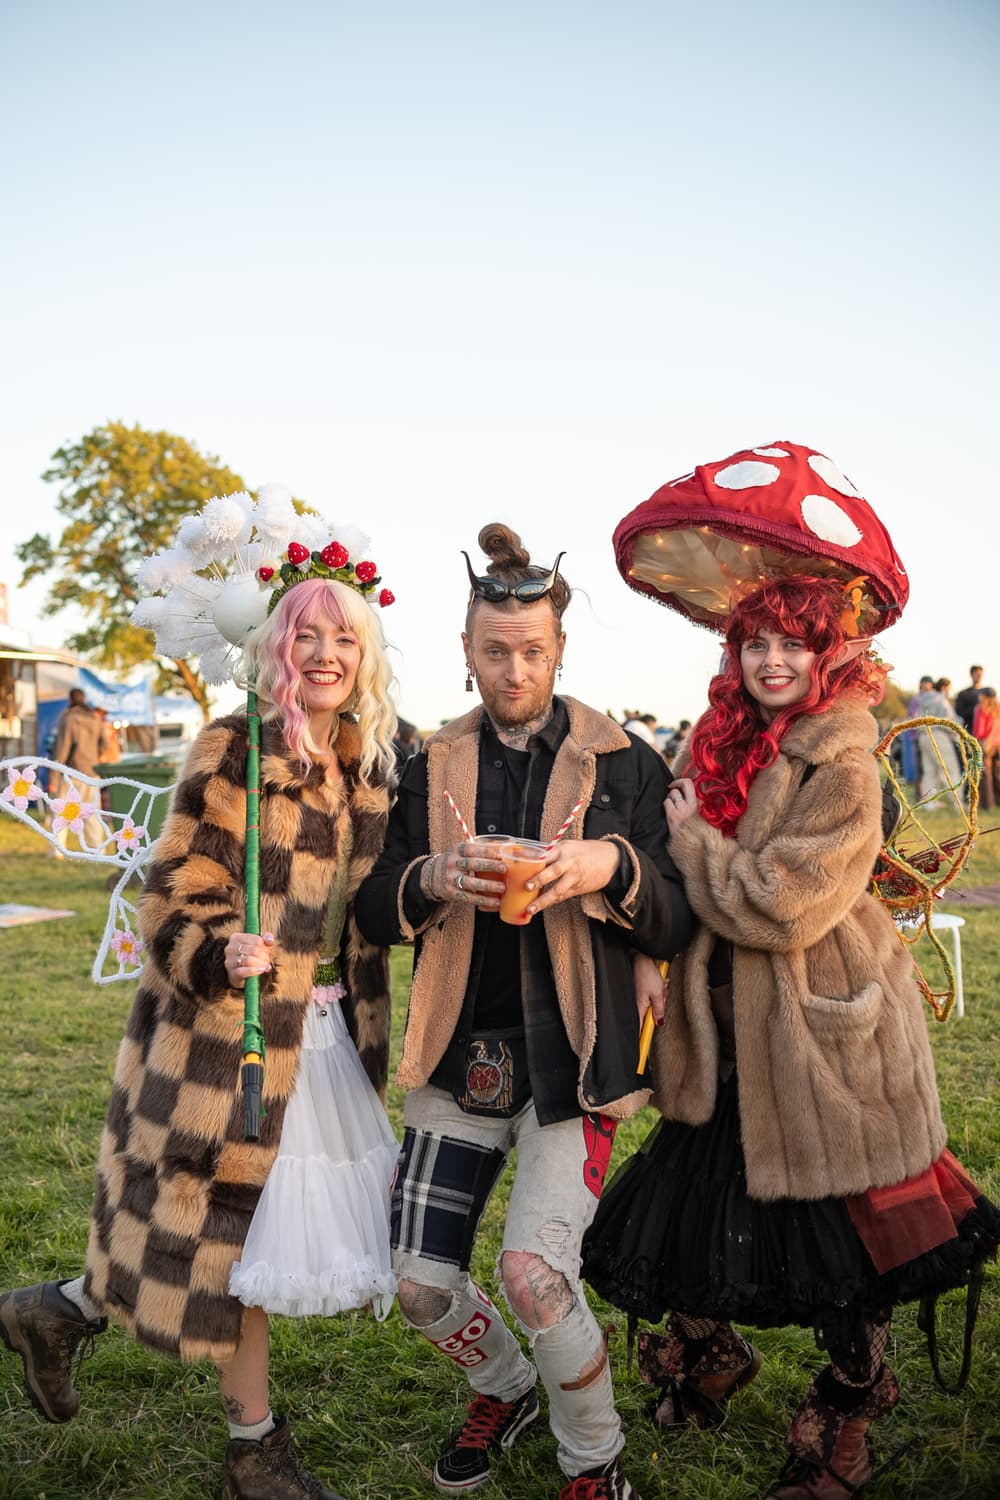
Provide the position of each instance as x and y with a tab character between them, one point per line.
507	713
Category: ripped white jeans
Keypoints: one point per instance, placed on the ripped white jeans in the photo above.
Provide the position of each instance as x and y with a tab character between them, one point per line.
449	1166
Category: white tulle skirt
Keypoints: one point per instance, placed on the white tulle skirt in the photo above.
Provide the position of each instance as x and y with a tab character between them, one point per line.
319	1238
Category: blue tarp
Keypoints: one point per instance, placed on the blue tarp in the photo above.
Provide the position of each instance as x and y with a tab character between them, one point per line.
132	701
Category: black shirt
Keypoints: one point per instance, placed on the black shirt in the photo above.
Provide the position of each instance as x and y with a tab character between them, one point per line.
510	990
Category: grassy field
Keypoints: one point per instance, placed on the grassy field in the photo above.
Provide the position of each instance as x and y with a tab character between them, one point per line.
372	1404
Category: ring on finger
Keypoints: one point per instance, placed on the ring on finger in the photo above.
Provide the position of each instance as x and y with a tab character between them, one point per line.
460	882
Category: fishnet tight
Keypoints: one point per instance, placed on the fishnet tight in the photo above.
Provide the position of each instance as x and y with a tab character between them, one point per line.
859	1362
694	1329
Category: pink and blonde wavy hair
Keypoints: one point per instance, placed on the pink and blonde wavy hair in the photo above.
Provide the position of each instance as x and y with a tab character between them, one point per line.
267	665
731	743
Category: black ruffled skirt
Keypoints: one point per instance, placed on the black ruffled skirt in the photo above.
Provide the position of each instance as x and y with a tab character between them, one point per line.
676	1231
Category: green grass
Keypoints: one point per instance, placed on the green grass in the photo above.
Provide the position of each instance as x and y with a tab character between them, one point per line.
372	1403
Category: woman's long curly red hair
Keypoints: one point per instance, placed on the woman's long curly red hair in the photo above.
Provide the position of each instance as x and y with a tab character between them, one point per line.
730	742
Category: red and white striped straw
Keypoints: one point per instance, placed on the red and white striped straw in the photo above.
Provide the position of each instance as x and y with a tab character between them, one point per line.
565	826
458	815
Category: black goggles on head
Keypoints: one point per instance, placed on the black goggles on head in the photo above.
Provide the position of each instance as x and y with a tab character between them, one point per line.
494	592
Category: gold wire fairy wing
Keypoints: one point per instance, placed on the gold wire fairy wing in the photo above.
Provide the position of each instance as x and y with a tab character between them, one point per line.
120	840
914	866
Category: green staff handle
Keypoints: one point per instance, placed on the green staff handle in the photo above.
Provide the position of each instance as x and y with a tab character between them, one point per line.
253	1035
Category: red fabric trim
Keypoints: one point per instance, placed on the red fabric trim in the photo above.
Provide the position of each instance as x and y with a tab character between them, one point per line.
896	1224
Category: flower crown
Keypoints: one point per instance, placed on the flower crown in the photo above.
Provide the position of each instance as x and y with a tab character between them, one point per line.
229	565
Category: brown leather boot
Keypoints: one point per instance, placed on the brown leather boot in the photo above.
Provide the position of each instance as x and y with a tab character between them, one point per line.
48	1332
268	1468
830	1457
695	1391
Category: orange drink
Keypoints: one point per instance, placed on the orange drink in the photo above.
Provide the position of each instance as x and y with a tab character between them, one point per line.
523	858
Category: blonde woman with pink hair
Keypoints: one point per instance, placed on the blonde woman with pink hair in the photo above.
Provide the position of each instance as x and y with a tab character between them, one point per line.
197	1234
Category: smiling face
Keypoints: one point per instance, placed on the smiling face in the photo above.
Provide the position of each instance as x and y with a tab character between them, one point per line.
777	670
326	657
514	653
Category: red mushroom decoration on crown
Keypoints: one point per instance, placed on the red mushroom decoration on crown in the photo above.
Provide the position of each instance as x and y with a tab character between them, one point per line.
704	541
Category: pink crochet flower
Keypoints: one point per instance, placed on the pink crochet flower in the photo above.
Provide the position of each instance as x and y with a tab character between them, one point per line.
127	946
21	789
129	836
71	812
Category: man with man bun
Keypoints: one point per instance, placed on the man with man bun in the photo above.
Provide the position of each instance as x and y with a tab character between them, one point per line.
521	1036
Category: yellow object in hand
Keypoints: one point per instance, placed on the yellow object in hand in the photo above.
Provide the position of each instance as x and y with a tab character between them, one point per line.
646	1032
645	1039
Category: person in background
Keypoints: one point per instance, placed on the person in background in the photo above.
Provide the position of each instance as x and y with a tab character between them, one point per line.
677	741
986	728
113	747
112	752
405	743
82	742
644	725
938	757
967	699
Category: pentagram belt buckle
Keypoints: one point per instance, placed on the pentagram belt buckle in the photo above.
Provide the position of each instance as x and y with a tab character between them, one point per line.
496	1075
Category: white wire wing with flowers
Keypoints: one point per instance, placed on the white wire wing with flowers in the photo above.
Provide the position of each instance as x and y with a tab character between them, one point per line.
914	867
71	801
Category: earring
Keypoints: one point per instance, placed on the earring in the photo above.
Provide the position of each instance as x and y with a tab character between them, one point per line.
468	678
559	670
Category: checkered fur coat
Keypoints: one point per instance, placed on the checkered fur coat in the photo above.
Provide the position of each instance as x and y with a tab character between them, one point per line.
177	1183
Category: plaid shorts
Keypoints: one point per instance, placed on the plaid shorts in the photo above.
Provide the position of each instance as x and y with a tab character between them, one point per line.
450	1163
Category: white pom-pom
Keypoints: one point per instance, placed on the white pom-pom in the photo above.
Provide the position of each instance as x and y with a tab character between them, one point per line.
163	569
241	604
193	536
216	663
312	531
172	638
275	516
354	539
227	519
150	574
148	613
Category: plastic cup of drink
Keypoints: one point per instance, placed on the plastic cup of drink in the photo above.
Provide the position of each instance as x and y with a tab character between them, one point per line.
523	858
496	846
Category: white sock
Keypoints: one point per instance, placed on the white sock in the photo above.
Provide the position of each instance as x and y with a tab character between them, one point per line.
73	1292
253	1431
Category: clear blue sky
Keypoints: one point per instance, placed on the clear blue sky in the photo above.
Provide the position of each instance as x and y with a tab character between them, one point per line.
441	264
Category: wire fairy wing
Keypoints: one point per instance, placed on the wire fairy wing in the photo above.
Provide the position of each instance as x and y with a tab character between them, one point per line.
914	866
70	800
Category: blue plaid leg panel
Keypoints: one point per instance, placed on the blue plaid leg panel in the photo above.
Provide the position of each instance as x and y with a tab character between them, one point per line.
441	1189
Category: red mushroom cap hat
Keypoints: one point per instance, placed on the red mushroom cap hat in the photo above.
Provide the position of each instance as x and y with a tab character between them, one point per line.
704	541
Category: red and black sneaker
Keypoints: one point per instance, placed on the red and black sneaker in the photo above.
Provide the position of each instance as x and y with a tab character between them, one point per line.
606	1483
491	1427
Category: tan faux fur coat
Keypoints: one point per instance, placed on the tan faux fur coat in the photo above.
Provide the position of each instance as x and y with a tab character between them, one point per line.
836	1080
620	786
177	1183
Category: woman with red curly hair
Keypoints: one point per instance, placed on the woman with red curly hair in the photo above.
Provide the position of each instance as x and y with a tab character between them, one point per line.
799	1173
